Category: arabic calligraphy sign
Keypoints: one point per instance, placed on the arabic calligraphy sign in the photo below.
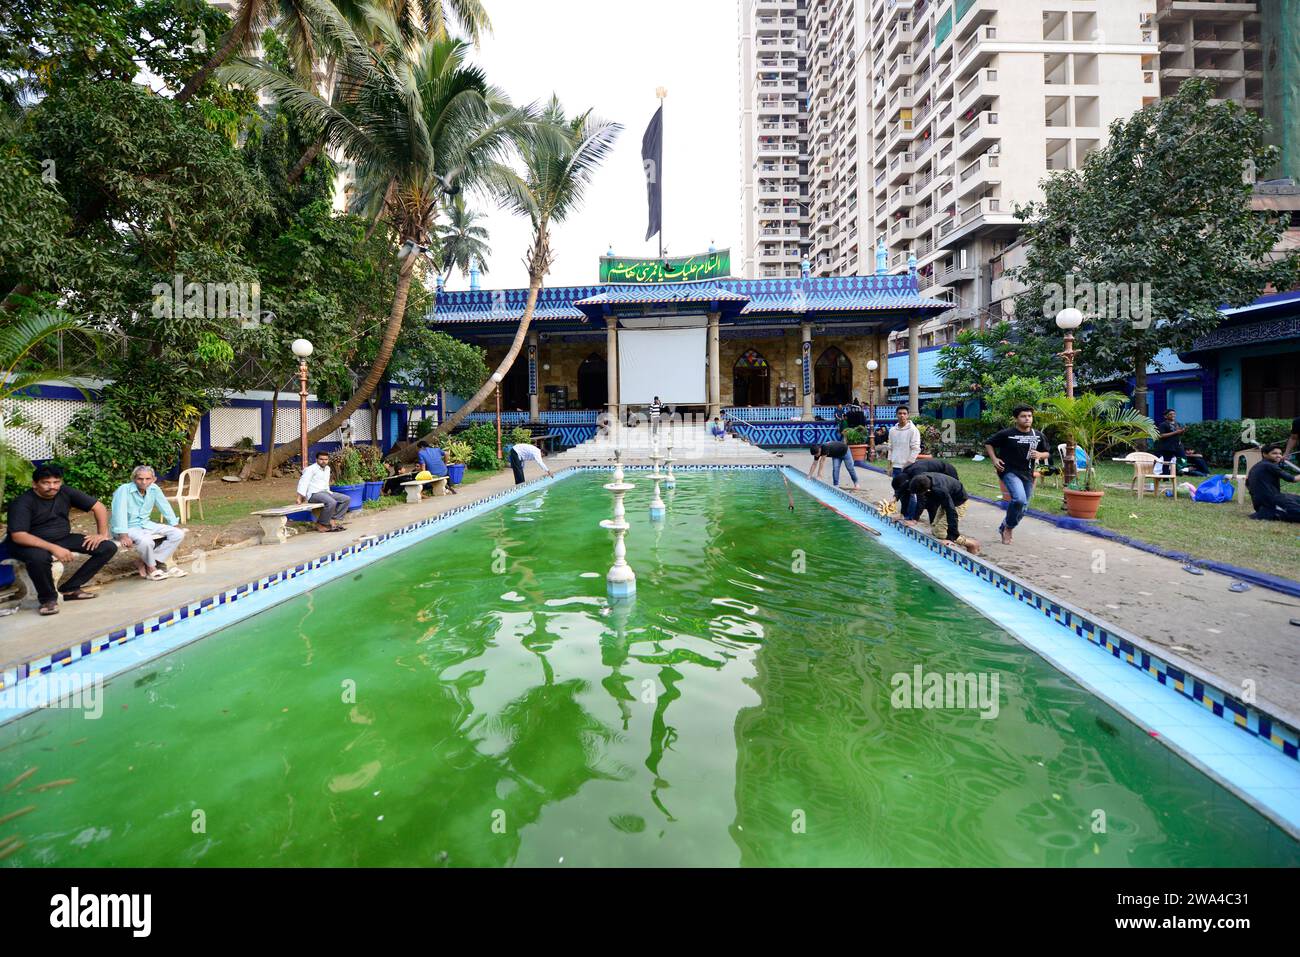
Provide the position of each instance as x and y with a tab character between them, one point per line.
707	266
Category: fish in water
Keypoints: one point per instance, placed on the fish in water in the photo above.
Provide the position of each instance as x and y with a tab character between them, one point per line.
18	813
53	784
20	779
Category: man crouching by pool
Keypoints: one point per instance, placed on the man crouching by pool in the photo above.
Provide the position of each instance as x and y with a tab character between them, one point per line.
522	452
838	453
945	499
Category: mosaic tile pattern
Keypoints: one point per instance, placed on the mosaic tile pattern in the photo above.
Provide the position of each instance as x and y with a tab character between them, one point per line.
1119	645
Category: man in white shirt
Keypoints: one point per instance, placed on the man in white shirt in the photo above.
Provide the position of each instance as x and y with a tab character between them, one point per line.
314	486
523	452
904	447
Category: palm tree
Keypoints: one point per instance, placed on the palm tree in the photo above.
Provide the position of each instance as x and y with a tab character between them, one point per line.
557	170
1094	423
419	121
295	21
19	340
460	241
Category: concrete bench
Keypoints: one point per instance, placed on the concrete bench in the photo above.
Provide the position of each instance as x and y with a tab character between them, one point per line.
27	590
274	530
413	489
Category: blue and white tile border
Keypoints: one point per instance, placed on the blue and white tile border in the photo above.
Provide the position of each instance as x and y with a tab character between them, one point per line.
242	601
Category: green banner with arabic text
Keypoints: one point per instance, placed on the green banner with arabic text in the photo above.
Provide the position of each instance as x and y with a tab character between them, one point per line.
713	265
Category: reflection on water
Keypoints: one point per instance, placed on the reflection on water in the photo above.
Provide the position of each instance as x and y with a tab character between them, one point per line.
476	701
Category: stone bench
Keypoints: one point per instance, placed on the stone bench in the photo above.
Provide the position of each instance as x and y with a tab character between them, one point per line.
27	590
274	525
413	489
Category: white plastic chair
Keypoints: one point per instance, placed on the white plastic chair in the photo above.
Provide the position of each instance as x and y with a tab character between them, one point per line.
1252	457
183	498
1144	468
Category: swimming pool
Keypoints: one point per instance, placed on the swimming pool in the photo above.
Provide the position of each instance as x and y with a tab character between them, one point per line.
475	700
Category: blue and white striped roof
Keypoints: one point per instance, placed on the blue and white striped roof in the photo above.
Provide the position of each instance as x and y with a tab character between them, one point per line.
792	300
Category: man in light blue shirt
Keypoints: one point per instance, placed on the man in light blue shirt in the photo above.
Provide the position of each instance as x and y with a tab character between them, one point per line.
132	524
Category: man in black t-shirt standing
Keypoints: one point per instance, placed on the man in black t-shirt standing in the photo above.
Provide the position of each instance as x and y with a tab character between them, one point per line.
1014	452
40	534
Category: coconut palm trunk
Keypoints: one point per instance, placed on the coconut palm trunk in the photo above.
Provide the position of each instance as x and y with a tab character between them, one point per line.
234	40
283	453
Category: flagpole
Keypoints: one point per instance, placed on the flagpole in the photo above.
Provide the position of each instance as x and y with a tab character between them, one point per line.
662	93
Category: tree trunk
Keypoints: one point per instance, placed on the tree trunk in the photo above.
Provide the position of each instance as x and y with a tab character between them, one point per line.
538	267
186	453
1140	394
371	382
233	41
306	160
270	441
374	423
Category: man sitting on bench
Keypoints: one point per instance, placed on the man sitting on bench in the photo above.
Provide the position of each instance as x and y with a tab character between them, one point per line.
314	486
40	534
133	525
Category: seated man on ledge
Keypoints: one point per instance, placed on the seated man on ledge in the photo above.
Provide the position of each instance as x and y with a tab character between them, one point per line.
314	486
1265	486
40	534
133	525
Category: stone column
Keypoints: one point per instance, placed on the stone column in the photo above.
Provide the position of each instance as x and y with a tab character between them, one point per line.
534	367
806	369
914	366
882	357
611	368
715	376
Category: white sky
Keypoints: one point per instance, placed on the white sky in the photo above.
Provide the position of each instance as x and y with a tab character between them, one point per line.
611	55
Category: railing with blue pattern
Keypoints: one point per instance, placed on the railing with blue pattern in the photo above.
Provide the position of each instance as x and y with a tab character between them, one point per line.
790	413
566	417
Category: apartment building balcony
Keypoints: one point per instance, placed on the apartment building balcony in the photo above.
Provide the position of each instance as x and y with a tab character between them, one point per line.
778	86
901	167
776	150
780	232
980	216
978	134
900	134
902	230
923	184
899	99
900	198
954	273
975	51
899	37
774	24
900	71
983	84
943	118
978	13
982	173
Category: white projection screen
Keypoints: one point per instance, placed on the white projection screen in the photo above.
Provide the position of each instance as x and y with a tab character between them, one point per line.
669	363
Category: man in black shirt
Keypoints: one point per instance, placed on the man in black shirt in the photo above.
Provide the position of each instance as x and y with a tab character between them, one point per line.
1265	486
1014	452
40	534
1169	446
837	452
901	481
944	499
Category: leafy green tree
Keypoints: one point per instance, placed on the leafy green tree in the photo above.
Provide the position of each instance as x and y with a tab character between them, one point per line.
556	172
978	359
461	241
1162	216
420	121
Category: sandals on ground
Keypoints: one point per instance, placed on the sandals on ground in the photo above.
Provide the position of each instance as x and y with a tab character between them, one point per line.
157	575
78	595
51	609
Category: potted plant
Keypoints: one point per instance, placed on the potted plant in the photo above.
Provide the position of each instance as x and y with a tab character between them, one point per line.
373	472
1093	422
458	454
349	479
856	437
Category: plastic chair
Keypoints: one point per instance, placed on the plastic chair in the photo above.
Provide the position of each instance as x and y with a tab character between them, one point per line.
1252	457
183	498
1144	464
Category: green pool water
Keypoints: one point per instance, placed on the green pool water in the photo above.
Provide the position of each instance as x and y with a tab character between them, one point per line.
473	701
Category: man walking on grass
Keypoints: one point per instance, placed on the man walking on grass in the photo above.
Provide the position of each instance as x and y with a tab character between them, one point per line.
314	486
1013	452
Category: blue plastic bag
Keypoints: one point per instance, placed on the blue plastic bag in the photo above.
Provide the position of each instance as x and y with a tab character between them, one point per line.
1080	458
1216	488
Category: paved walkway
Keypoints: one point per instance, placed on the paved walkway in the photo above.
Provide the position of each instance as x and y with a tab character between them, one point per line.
1235	637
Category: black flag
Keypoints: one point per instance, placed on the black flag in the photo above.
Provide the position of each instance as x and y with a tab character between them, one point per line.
652	161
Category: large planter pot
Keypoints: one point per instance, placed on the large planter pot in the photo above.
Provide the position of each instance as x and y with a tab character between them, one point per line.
1082	504
354	492
455	473
858	453
304	516
373	490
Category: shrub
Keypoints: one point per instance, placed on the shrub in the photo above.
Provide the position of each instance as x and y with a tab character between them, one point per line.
485	458
1003	396
458	452
345	464
1219	438
516	435
855	435
372	463
98	450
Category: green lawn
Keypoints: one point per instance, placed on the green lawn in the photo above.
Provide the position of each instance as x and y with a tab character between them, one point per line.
1220	532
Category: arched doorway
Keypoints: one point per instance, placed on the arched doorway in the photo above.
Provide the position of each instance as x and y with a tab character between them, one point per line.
833	378
751	380
593	382
514	387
